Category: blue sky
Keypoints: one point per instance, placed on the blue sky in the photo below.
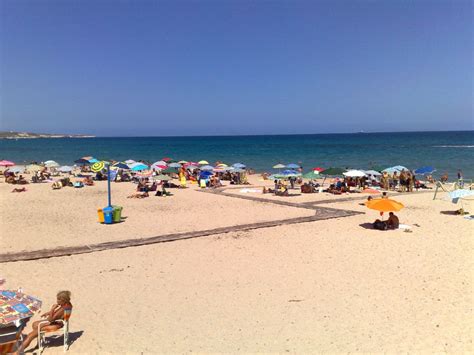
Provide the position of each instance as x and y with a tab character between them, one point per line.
235	67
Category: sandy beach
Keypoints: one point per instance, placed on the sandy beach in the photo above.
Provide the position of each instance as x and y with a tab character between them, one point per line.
328	285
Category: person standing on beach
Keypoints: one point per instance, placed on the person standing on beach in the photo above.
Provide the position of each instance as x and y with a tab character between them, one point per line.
460	179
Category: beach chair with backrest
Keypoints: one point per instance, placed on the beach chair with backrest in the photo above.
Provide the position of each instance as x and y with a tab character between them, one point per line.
444	187
42	341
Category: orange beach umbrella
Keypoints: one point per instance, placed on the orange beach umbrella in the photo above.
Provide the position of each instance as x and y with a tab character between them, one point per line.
384	205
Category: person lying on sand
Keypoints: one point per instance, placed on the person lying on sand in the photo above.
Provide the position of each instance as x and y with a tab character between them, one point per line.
23	189
139	195
52	318
88	181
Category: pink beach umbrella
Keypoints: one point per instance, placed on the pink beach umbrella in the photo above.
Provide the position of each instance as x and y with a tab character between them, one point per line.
6	163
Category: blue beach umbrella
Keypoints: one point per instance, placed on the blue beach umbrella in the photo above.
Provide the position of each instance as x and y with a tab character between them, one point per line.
239	166
425	170
205	174
207	167
138	167
121	165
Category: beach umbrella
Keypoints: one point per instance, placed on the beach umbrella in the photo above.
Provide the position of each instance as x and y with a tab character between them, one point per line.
65	169
99	166
425	170
16	305
51	164
138	167
292	166
239	165
318	169
158	167
372	172
205	174
86	160
278	177
290	173
129	161
162	177
121	165
354	173
222	165
192	167
279	166
182	162
332	171
170	170
313	174
17	169
203	162
207	167
396	168
6	163
168	160
160	162
384	205
174	165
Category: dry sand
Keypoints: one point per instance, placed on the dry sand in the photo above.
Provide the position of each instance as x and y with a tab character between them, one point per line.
323	286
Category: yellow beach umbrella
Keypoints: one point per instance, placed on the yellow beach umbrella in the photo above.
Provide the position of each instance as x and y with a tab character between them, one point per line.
384	205
222	165
99	166
203	162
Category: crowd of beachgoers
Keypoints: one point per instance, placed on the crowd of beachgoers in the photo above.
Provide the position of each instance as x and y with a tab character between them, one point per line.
149	177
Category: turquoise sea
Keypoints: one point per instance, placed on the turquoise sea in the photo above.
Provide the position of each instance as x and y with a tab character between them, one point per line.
446	151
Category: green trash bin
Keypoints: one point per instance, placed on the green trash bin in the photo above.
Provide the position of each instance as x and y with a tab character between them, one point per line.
117	213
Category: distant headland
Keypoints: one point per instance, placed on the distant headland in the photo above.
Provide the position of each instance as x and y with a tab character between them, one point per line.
29	135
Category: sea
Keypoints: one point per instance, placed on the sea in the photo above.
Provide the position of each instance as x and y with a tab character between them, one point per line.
447	152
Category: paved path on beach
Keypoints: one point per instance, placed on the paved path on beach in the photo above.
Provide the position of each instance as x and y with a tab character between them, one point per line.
321	213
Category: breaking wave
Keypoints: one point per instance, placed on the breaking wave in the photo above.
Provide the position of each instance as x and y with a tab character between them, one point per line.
453	146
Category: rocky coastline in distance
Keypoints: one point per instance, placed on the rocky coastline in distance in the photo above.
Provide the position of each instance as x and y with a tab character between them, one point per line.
29	135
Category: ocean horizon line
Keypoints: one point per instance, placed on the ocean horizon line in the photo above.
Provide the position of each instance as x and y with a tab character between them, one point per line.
278	135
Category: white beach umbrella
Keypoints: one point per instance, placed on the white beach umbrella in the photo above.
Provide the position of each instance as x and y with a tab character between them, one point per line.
129	161
51	164
354	173
17	169
65	169
372	172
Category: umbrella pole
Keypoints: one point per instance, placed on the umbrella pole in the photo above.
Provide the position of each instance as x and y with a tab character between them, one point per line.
108	185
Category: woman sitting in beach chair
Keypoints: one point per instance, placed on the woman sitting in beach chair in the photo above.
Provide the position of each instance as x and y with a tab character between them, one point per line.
54	318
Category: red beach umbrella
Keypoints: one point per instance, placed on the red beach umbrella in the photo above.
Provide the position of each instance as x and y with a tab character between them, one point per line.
318	169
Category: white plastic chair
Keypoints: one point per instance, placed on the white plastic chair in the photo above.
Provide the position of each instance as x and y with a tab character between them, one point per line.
42	341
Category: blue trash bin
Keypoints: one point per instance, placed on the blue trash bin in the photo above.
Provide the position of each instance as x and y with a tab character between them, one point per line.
108	215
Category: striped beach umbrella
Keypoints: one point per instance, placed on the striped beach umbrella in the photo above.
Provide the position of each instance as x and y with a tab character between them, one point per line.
99	166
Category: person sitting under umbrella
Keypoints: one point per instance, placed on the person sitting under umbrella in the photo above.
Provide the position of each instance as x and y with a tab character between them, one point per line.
53	316
392	221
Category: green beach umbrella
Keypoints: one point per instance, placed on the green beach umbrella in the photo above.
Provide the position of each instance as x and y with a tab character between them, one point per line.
333	171
312	175
170	170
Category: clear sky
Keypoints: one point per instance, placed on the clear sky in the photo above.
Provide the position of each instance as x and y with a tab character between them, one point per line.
183	67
